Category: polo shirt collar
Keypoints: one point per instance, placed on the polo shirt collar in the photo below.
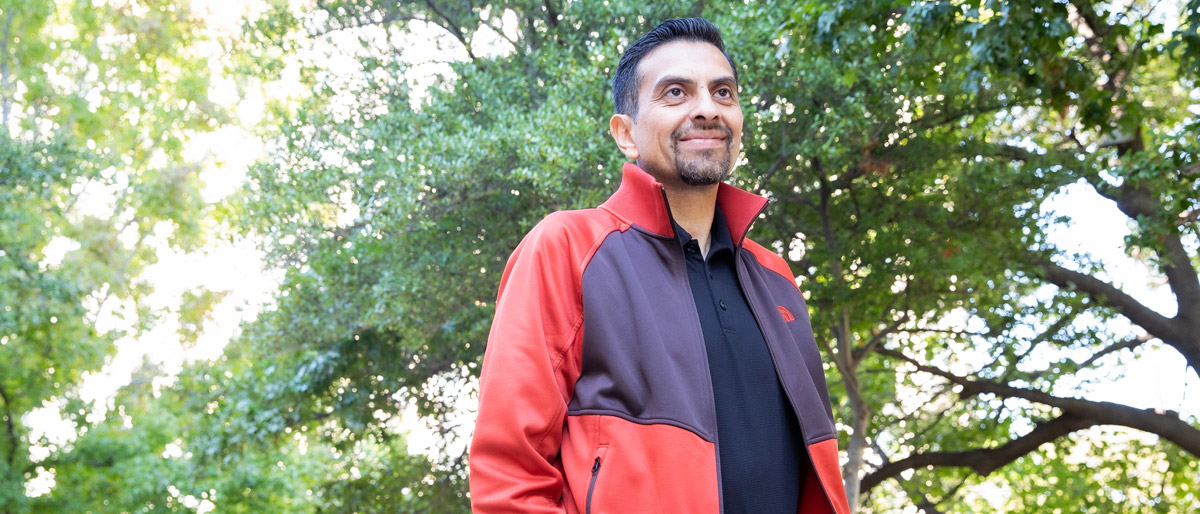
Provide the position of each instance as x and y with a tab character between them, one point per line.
642	201
718	240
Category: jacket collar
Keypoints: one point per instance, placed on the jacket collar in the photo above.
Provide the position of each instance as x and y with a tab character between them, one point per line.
642	201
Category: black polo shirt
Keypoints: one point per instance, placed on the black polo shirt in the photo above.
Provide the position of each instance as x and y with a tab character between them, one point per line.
761	452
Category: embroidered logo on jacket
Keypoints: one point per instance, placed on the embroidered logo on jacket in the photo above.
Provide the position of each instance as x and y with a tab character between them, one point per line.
787	315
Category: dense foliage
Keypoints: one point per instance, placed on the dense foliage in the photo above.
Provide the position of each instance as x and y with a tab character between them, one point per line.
96	102
915	153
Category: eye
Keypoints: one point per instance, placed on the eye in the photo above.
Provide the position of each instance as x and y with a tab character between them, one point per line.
675	92
725	92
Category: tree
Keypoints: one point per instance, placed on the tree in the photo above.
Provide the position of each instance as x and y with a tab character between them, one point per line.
909	148
946	131
394	208
95	104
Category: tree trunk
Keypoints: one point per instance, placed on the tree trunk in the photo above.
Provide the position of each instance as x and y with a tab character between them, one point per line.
856	450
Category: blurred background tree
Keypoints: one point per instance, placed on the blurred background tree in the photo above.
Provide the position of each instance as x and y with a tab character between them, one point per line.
921	158
96	104
938	263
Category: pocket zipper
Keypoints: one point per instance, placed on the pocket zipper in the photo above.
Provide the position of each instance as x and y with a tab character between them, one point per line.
592	485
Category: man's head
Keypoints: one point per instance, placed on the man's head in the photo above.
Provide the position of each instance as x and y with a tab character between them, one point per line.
676	97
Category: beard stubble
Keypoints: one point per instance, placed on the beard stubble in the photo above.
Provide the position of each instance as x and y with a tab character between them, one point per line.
707	167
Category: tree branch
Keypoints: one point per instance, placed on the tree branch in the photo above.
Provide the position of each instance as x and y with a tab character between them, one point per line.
1115	347
1088	25
551	14
1153	322
1015	153
955	333
940	117
1181	276
1077	414
452	28
358	23
516	44
878	338
930	507
844	357
781	158
10	429
1165	424
845	180
1130	344
981	461
1046	335
919	435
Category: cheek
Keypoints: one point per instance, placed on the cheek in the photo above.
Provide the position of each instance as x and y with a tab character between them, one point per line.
639	136
659	136
735	122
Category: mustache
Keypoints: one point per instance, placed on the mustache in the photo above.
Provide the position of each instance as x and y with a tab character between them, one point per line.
679	132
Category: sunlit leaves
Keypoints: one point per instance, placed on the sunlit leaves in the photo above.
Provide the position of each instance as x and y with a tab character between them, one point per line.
98	101
910	151
958	125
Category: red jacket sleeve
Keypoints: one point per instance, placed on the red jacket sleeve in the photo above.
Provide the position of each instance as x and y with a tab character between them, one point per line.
529	371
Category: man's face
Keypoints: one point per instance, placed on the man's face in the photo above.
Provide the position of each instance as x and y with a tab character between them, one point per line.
689	123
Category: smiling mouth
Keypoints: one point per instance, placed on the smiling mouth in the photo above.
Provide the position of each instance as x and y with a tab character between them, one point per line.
703	142
704	138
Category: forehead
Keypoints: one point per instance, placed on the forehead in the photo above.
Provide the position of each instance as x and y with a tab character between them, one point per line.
696	60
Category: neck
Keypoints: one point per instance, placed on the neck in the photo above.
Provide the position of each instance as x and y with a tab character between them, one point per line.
692	208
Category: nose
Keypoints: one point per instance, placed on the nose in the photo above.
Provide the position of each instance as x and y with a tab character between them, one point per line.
705	107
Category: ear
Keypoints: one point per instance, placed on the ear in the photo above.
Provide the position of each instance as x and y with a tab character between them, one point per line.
621	128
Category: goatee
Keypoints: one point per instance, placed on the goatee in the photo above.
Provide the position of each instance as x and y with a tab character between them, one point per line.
703	172
710	166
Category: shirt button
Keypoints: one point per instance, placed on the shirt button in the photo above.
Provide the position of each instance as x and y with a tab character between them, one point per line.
691	249
723	307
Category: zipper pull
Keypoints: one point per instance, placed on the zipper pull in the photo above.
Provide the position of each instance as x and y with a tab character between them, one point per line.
596	466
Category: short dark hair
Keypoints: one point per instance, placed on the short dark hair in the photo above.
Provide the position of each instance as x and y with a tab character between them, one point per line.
626	81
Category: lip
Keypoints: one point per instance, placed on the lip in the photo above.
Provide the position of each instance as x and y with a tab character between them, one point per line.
702	142
704	135
704	138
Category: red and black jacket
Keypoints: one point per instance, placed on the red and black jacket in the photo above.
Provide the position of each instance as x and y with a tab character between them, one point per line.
595	395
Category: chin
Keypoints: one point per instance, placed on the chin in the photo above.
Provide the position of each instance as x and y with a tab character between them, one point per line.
704	173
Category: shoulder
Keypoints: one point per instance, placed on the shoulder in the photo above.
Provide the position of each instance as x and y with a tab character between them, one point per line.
566	238
571	228
768	259
575	223
557	249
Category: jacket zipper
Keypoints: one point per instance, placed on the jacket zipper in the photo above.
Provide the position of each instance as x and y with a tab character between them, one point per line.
704	352
592	484
737	257
771	349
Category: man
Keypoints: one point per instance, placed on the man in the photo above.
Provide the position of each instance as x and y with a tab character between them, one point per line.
646	357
